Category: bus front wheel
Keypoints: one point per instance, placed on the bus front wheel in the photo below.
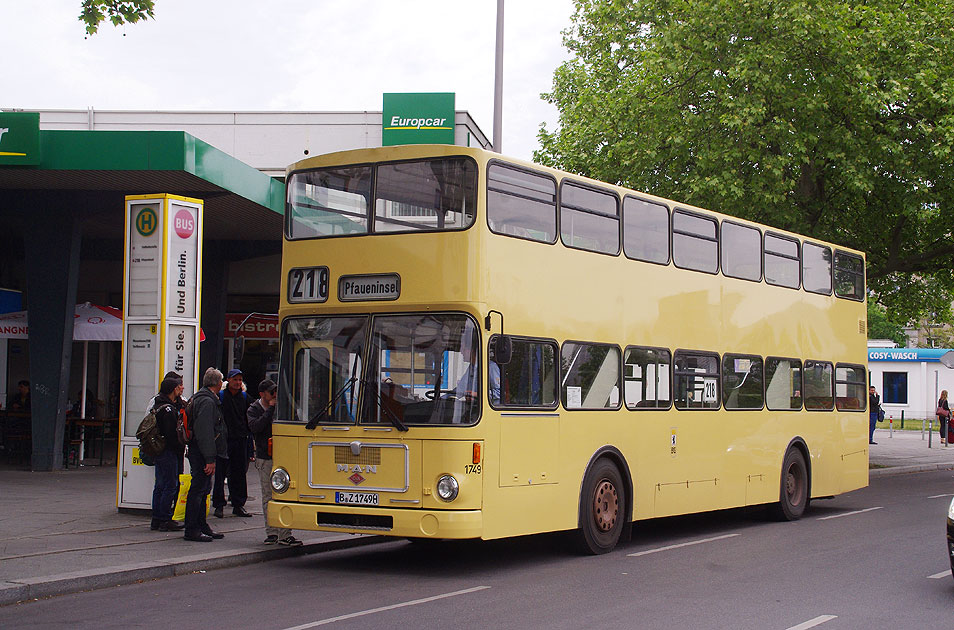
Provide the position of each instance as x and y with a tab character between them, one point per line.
602	508
793	493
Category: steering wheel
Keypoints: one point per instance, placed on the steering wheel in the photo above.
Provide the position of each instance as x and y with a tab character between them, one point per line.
429	394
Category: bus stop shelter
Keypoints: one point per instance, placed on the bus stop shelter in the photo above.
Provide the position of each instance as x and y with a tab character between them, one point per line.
65	210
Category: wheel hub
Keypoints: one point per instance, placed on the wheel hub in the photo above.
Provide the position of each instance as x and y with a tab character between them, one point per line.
606	506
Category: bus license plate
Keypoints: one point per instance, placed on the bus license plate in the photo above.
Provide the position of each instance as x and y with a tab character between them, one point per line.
356	498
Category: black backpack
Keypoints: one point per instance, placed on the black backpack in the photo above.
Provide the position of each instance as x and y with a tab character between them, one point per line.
151	442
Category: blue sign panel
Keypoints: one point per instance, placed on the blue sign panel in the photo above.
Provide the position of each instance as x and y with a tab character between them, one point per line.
927	355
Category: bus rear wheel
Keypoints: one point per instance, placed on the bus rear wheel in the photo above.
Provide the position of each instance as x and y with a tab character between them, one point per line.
602	508
793	493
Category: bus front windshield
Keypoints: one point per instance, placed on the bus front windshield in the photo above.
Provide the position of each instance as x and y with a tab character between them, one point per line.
394	370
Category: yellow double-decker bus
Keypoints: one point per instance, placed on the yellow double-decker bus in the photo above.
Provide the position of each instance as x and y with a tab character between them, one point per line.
480	347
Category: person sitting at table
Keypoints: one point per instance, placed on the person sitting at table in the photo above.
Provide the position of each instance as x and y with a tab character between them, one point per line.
20	399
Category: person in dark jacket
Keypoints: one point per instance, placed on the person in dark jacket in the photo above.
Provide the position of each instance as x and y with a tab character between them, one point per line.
874	412
260	415
235	466
167	405
209	441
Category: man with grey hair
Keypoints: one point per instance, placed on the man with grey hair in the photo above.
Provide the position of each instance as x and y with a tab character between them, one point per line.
209	440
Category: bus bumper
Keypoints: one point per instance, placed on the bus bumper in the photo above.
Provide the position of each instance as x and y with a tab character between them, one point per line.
405	523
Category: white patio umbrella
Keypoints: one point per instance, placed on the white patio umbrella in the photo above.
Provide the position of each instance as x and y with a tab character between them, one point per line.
91	322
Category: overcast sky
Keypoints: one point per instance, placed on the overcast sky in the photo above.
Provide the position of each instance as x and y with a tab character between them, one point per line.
288	55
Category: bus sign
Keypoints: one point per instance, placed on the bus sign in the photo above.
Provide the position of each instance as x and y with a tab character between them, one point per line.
307	284
385	286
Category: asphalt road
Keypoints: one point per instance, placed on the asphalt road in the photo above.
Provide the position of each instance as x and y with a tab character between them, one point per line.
874	558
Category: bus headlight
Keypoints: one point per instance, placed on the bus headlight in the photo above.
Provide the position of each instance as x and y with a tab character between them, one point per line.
447	488
280	480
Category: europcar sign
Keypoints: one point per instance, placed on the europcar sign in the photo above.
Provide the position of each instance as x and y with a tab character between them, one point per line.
19	138
418	118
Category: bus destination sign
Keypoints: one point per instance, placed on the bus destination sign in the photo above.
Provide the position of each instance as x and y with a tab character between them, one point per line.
384	286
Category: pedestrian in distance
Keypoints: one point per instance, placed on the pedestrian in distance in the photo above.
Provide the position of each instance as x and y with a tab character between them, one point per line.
234	401
944	418
20	400
209	443
874	412
167	405
260	415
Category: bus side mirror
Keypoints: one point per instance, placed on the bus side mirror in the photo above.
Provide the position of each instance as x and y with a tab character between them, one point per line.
503	349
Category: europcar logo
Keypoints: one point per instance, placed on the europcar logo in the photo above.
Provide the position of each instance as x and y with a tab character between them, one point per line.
418	123
146	221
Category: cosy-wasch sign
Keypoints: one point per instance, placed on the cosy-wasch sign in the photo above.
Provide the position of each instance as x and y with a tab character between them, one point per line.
418	118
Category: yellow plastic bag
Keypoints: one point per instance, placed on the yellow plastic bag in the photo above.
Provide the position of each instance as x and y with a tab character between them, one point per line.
184	482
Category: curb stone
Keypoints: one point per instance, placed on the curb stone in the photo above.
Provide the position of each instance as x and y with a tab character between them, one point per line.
15	591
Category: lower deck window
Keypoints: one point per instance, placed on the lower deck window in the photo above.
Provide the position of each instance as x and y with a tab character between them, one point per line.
590	376
696	380
529	380
819	386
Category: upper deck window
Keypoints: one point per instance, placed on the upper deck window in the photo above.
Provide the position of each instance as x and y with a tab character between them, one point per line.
589	218
432	195
741	251
646	230
328	202
521	203
849	276
781	261
695	242
816	268
424	195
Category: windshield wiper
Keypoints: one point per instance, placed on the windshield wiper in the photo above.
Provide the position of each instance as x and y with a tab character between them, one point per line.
372	390
318	417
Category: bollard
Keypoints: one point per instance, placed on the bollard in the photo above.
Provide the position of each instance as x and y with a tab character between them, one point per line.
891	426
902	419
930	430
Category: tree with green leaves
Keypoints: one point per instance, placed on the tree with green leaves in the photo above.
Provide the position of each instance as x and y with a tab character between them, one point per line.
119	12
833	119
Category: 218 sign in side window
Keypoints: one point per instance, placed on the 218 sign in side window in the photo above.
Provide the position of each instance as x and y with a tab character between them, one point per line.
308	284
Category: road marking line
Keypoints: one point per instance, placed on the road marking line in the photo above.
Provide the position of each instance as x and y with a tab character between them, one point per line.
938	576
372	611
939	496
811	623
686	544
825	518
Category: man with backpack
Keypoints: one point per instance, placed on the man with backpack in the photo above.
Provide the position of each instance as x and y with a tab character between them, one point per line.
167	405
260	415
209	442
234	405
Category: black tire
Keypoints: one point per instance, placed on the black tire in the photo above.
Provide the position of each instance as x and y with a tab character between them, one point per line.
602	508
793	495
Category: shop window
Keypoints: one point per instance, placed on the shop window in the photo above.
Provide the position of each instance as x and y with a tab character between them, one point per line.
895	390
